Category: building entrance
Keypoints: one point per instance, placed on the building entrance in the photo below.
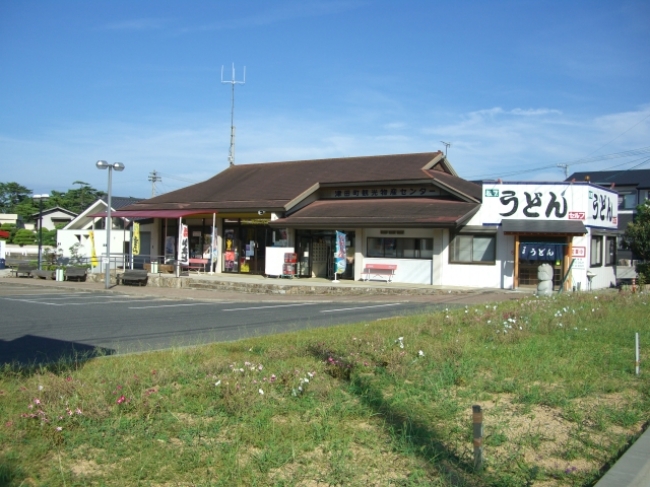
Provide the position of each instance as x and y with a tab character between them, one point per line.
315	249
244	248
535	251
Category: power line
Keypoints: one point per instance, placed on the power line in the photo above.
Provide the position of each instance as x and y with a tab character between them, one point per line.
615	155
185	180
619	135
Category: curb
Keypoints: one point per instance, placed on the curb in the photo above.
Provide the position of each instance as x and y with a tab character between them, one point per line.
633	468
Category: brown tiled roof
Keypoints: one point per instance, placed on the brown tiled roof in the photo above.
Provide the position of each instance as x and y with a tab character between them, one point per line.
399	212
457	185
272	185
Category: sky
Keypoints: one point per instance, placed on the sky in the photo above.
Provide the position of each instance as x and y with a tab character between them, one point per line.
516	87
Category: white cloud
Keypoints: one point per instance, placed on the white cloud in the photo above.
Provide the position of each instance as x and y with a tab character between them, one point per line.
485	143
530	112
491	142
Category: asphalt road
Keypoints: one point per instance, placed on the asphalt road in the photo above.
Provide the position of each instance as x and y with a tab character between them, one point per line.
42	325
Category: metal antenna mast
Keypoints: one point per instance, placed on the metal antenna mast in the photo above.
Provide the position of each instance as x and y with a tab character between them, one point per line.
231	154
154	178
447	146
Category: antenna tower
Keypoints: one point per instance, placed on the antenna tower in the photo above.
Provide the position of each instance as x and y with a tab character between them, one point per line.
231	153
154	178
447	146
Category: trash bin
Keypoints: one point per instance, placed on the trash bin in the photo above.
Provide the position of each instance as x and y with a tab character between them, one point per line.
2	264
154	267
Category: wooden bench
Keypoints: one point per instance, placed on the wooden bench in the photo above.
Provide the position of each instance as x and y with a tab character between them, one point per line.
134	277
75	273
44	274
379	271
26	269
197	265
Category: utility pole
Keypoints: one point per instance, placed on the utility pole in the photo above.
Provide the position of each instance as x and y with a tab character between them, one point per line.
566	169
154	178
447	146
231	154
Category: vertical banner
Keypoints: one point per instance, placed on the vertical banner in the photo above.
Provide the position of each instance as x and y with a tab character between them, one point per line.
183	245
93	253
136	239
213	244
340	255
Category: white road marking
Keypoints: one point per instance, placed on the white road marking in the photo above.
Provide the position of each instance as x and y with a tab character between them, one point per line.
270	307
340	310
47	296
201	303
70	296
70	304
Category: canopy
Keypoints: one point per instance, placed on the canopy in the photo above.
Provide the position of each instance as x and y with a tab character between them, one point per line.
557	227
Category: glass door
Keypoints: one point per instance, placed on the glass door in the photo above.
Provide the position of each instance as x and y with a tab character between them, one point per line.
231	250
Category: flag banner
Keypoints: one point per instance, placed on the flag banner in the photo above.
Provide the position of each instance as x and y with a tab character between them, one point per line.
339	254
136	239
540	251
93	253
183	245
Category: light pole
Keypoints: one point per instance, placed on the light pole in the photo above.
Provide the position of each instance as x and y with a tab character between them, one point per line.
118	166
40	198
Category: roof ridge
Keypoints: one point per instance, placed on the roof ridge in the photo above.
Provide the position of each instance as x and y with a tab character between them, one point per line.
334	159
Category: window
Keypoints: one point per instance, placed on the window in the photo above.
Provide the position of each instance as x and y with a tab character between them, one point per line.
626	201
596	251
401	248
473	249
610	251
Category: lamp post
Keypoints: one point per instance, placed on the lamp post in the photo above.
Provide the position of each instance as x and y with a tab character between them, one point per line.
40	198
118	166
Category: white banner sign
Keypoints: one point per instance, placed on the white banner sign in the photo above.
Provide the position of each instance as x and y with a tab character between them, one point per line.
594	206
183	245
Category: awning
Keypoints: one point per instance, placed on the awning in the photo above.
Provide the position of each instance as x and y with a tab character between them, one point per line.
555	227
152	213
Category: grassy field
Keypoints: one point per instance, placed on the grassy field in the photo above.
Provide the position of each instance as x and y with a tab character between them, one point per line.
381	403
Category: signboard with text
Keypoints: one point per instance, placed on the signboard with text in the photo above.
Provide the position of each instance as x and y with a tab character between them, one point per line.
592	205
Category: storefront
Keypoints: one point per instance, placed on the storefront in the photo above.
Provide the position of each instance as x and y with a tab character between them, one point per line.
315	250
571	226
409	211
244	244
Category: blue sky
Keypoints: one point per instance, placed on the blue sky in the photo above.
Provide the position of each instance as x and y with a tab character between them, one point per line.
514	86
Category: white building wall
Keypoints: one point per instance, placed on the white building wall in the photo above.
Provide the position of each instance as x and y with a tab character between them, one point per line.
68	238
412	271
595	206
440	243
359	251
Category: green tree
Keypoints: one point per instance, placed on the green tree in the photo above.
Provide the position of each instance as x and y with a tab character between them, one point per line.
24	237
637	238
49	237
27	208
77	199
11	194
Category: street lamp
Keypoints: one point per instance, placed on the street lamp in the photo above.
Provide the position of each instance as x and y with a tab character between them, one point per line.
118	166
40	198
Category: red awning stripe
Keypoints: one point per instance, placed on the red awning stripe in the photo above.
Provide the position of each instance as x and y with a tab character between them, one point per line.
152	213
